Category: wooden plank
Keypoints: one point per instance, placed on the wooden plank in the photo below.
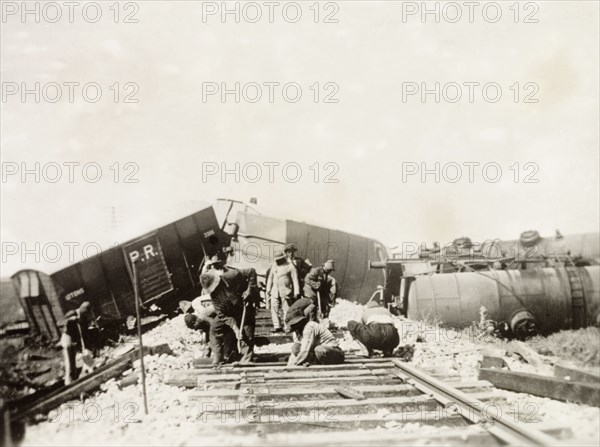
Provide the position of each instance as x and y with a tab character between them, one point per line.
551	387
273	411
187	377
297	393
350	393
314	382
571	373
448	437
349	360
375	390
329	422
281	367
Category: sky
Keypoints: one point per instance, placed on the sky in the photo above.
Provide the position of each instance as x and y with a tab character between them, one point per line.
153	146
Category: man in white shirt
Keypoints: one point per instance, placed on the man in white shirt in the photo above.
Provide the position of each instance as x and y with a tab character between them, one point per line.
375	331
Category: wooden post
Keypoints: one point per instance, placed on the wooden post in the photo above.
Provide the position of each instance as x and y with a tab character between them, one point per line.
139	330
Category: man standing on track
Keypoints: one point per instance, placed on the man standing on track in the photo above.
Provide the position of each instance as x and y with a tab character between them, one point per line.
283	288
303	266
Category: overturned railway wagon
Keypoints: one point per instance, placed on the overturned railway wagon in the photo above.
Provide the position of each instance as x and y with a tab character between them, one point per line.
532	285
549	298
169	258
258	237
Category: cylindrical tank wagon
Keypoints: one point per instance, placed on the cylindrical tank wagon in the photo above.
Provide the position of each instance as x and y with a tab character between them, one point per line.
541	300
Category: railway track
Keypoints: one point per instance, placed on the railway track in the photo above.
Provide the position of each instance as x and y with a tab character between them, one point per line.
360	401
370	401
363	401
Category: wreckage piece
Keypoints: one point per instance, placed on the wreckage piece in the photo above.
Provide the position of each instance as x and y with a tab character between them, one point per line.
544	386
47	401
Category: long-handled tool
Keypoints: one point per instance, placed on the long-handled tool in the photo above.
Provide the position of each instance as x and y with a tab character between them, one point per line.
320	306
239	343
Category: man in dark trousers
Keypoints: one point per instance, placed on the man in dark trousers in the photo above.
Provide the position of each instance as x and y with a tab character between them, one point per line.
376	330
319	282
303	266
76	337
199	317
316	344
230	309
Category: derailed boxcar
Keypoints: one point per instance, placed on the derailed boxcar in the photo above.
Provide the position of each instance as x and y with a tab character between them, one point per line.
167	258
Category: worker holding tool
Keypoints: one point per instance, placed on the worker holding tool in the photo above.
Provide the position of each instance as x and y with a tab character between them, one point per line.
200	316
375	331
316	344
321	287
232	312
242	282
283	288
76	338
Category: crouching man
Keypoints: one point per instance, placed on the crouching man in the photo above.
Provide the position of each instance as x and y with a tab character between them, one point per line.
316	344
376	331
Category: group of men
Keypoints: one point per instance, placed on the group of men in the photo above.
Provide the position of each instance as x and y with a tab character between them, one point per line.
226	310
290	278
300	297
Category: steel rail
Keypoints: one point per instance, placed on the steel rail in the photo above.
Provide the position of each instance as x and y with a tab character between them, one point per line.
472	409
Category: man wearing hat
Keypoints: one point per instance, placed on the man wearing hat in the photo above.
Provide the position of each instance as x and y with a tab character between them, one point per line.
376	330
241	281
303	266
305	306
320	283
316	344
283	288
232	313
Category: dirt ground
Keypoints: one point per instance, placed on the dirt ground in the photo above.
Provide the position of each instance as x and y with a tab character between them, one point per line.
114	416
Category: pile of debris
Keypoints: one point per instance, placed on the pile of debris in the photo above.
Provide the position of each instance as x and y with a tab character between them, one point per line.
343	312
